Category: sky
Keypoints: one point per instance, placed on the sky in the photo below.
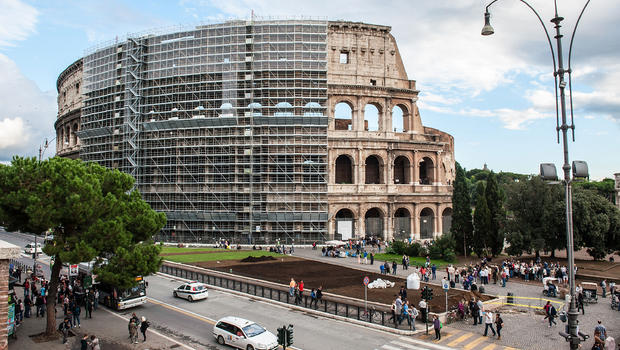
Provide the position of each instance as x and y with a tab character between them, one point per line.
494	94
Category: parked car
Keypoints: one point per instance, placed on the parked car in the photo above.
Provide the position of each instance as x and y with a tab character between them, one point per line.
243	334
191	291
30	248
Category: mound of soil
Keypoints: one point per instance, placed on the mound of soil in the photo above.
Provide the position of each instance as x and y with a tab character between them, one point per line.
252	259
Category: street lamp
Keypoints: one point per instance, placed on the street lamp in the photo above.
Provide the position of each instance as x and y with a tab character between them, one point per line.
42	149
548	171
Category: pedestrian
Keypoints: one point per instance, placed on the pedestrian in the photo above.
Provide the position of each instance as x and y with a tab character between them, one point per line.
437	326
291	287
76	315
499	324
96	301
405	314
372	258
393	318
474	310
84	342
604	288
39	304
422	306
144	325
480	310
382	269
134	319
414	314
365	257
598	342
64	329
301	291
387	268
580	303
399	309
90	304
599	327
394	265
133	331
434	270
312	297
488	322
94	343
19	311
319	296
552	314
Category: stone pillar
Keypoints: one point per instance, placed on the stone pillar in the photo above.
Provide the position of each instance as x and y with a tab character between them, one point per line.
388	223
361	167
412	224
416	223
7	251
331	232
387	116
436	220
389	168
358	116
361	226
439	221
416	171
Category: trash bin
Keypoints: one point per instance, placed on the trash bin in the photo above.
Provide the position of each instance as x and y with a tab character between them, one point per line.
510	299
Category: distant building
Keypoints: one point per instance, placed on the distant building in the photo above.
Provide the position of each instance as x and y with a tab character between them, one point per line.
254	131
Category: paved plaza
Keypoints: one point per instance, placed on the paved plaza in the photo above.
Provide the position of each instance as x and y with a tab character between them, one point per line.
524	328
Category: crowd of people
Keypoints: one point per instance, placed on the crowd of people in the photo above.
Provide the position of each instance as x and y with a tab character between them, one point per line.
296	291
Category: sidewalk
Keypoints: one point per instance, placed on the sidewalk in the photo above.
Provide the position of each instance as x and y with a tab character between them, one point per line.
109	326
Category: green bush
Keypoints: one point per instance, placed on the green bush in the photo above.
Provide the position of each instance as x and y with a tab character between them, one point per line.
399	247
413	249
449	256
435	252
423	252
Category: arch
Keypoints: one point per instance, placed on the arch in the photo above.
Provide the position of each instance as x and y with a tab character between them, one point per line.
344	169
374	170
373	220
446	220
427	223
74	134
283	109
401	170
398	119
402	224
67	134
345	224
343	115
372	120
313	109
256	109
426	171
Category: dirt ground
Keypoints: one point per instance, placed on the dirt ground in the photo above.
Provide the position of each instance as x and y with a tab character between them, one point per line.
335	279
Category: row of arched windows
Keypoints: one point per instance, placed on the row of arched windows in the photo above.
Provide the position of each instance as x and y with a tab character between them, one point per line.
343	113
374	170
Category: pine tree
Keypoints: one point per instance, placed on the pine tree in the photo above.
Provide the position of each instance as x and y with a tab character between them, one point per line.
495	238
462	227
482	222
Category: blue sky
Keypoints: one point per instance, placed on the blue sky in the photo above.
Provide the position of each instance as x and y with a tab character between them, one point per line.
493	94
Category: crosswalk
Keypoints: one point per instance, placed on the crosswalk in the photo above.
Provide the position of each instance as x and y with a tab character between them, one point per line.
450	339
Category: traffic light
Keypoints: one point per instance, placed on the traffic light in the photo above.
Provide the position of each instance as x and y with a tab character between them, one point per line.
289	334
282	336
424	293
430	293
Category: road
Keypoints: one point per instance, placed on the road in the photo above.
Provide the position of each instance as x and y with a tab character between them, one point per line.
193	322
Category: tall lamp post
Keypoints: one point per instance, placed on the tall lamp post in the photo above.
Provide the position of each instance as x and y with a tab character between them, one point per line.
548	171
42	149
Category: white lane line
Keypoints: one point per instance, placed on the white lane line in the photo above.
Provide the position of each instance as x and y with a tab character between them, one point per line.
150	330
182	310
423	343
389	347
408	346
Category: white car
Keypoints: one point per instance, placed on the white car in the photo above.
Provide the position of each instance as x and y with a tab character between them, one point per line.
30	248
243	334
191	291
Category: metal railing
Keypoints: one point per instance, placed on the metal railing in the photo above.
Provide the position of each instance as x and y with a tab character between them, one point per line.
339	306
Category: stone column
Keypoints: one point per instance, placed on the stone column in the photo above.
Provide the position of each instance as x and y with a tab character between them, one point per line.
439	221
412	225
7	251
358	116
416	172
387	116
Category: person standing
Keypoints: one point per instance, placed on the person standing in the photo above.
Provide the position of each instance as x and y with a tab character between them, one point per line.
399	309
144	325
604	288
64	329
393	311
422	306
488	323
480	310
394	265
601	329
133	331
414	314
96	302
437	327
312	297
475	310
372	258
319	296
580	303
301	291
90	304
84	342
434	270
39	304
291	287
499	324
76	314
94	343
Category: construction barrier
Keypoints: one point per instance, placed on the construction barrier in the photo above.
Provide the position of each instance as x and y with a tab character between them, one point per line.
528	302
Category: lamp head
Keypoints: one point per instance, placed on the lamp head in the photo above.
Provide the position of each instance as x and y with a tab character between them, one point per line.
487	29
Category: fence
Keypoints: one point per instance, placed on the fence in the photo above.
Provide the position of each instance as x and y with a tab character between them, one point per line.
350	308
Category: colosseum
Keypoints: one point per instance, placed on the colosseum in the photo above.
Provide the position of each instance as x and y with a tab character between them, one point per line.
258	131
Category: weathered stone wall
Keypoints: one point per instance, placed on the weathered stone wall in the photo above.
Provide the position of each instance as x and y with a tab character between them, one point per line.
70	102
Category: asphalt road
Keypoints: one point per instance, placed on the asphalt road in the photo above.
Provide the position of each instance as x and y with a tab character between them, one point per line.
193	322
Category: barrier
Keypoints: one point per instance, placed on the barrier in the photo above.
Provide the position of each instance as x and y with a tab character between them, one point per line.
511	300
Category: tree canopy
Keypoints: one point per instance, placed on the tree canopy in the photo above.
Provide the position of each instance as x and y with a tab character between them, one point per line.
93	212
462	226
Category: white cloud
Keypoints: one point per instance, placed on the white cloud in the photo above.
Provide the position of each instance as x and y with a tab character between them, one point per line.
27	114
17	21
519	119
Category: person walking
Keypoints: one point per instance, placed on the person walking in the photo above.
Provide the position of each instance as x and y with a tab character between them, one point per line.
394	266
552	313
580	303
19	311
64	329
598	342
499	324
599	327
414	314
422	306
291	287
76	315
301	291
84	342
480	310
434	271
488	323
372	258
144	325
96	302
133	331
393	311
27	306
474	310
437	327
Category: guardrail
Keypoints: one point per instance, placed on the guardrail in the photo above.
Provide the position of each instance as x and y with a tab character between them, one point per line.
375	313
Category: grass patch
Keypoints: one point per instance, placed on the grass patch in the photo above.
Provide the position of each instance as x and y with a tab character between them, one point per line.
224	255
413	261
166	250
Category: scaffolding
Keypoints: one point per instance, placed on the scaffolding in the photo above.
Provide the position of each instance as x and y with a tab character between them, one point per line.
223	126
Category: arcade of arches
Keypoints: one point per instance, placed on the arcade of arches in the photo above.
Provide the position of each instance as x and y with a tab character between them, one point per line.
355	222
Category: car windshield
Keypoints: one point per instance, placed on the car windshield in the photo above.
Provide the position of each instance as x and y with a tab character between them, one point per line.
253	330
199	288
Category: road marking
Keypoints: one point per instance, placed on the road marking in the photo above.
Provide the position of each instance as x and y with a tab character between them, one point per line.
389	347
424	344
489	347
449	335
474	343
150	330
183	311
460	339
409	346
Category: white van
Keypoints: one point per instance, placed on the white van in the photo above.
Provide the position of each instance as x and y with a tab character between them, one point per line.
30	248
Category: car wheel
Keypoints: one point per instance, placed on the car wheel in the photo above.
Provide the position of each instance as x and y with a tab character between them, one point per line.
174	294
220	340
250	347
190	298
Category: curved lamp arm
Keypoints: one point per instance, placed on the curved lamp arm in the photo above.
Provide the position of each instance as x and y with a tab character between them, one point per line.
570	85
